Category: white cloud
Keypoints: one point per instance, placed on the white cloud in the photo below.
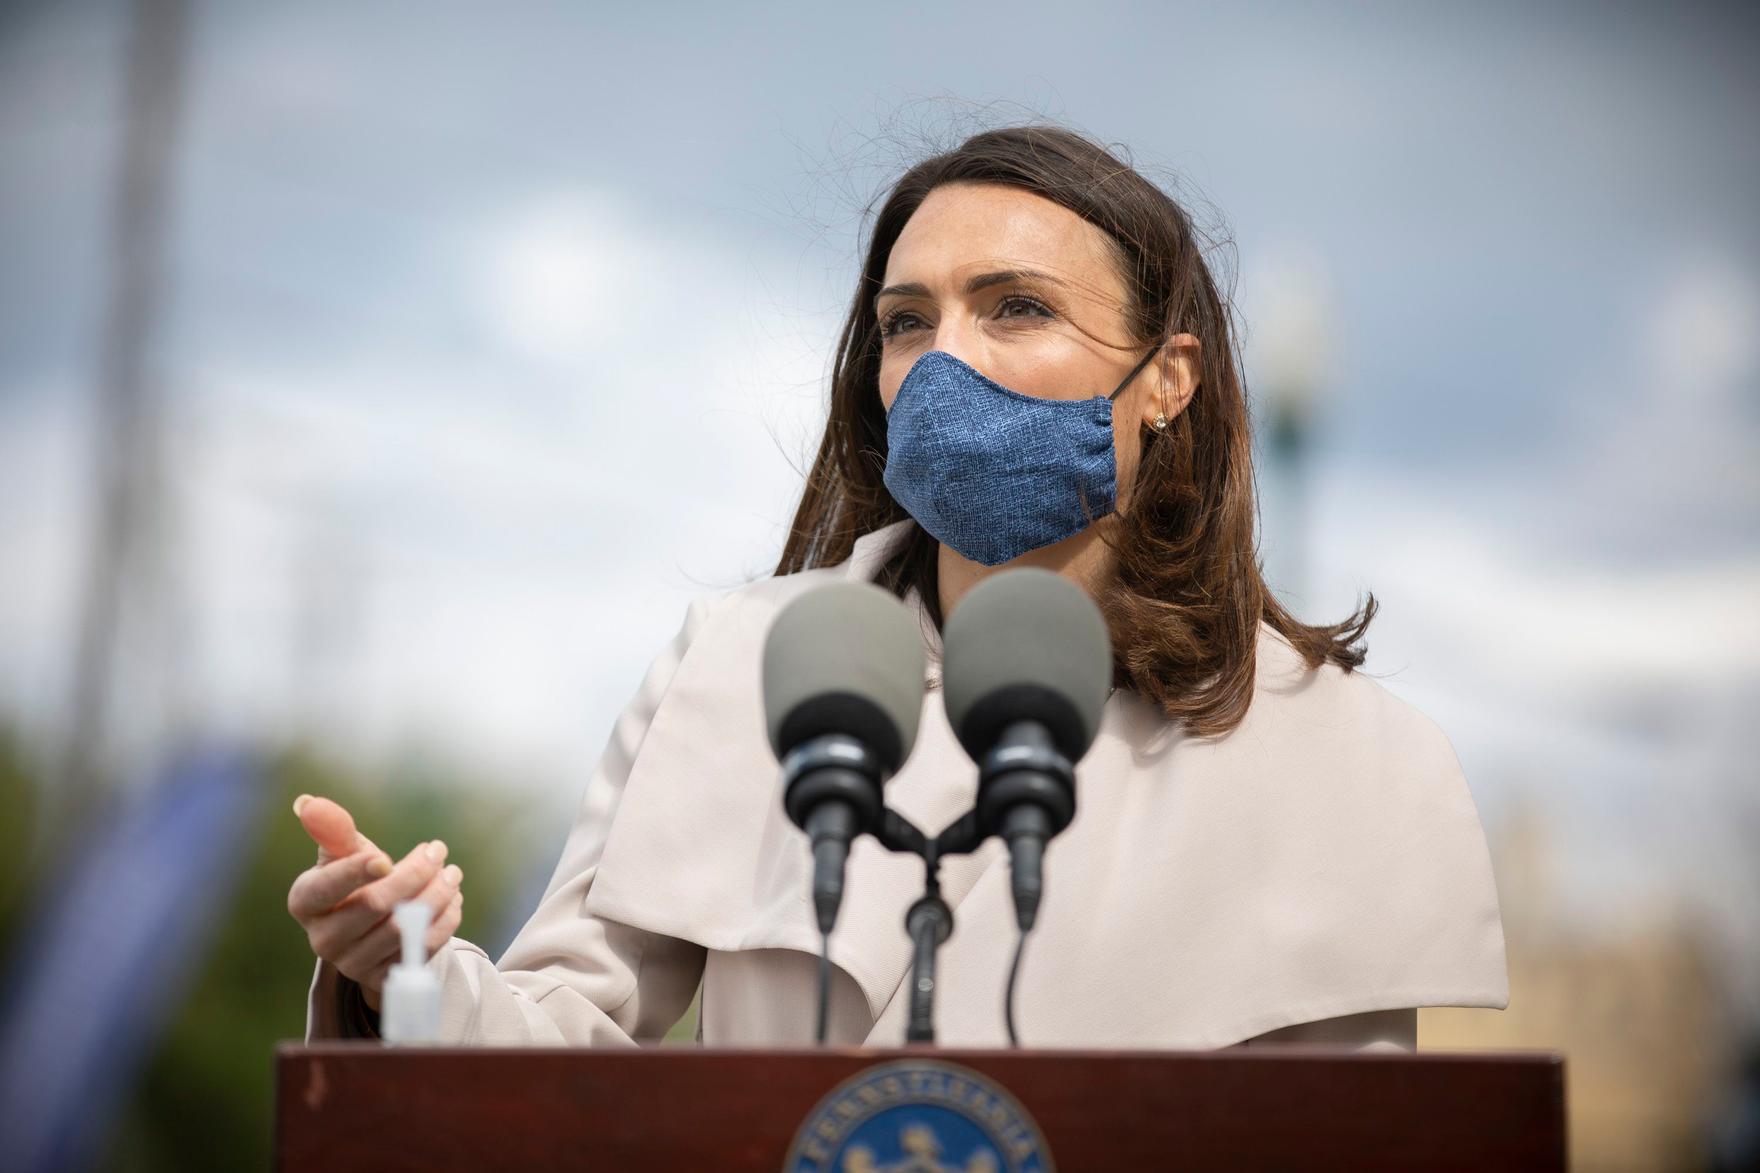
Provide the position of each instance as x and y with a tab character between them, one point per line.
1704	335
1669	459
479	557
569	272
1571	629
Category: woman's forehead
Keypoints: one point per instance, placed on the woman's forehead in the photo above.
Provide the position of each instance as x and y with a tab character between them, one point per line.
963	228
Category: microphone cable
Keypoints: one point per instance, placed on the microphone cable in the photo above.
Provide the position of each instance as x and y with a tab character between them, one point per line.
1014	970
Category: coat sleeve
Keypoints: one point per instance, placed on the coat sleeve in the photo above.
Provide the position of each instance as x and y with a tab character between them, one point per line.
569	978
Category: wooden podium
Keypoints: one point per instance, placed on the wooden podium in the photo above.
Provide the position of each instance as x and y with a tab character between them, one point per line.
343	1106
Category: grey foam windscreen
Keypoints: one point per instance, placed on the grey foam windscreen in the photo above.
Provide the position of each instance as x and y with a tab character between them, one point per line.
847	658
1026	645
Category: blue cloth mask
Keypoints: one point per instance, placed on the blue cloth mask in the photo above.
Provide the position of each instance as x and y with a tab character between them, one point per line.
994	473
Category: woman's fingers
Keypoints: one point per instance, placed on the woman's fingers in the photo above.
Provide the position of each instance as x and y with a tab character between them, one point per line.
331	828
438	934
441	896
322	887
372	952
383	944
441	930
337	932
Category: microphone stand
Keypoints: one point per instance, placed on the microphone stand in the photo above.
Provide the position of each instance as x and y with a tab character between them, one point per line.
928	922
1025	775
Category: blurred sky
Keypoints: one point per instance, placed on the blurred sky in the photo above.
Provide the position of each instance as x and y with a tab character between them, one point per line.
493	334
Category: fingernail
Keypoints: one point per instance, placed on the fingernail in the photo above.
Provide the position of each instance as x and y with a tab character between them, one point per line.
378	866
300	802
437	850
454	874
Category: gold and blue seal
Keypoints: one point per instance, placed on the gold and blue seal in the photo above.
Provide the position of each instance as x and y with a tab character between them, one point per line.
918	1116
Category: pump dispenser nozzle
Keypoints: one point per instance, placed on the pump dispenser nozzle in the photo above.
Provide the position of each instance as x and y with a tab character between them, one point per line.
411	1012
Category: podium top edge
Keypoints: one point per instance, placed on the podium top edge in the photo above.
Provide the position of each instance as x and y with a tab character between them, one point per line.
356	1048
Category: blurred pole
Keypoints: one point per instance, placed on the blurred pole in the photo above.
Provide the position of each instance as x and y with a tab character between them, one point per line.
128	410
1287	439
1295	348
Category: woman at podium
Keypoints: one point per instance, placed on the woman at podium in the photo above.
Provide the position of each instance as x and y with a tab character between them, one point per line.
1269	845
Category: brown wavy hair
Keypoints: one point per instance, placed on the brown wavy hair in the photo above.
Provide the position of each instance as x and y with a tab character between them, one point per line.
1188	592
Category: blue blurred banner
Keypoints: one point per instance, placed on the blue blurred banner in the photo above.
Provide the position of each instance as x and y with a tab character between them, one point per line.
101	965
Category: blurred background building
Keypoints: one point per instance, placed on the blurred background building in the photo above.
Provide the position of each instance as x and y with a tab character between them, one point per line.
379	383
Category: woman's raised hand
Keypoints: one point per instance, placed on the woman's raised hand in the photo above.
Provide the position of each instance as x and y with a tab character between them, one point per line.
344	901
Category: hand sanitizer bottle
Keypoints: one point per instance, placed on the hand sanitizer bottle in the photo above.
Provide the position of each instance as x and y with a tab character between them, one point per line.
411	1010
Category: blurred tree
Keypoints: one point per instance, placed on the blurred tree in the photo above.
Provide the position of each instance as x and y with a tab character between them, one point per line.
18	814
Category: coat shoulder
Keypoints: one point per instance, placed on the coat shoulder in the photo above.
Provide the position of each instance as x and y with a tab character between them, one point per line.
746	610
1331	698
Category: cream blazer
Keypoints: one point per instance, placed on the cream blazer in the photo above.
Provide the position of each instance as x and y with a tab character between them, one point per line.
1315	874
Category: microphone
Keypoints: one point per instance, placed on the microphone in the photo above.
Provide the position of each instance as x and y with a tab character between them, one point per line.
1027	667
843	691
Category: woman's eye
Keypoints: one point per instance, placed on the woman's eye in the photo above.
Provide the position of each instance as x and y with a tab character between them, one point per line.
899	321
893	322
1010	303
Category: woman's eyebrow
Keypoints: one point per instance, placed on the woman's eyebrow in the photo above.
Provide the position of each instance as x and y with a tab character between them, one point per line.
981	281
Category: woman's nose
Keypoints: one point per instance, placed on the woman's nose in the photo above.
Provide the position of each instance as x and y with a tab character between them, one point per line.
959	340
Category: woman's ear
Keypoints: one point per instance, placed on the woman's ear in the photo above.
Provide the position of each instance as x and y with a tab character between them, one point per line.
1176	379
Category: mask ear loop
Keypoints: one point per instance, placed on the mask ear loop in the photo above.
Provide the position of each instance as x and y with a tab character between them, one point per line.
1160	416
